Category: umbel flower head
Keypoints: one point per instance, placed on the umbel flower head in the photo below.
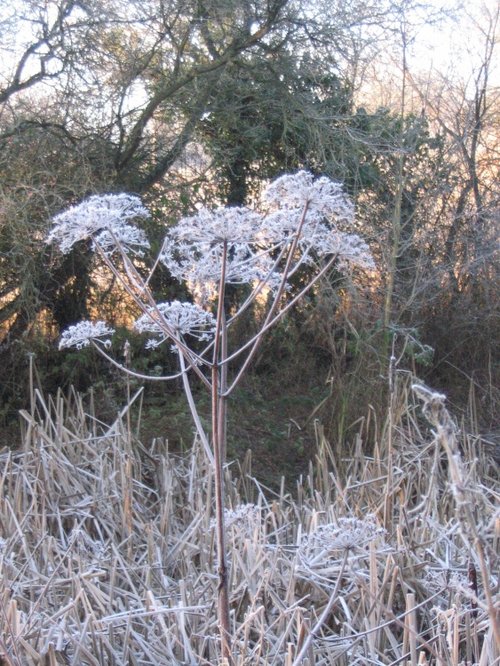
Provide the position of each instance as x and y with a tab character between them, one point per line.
106	219
306	214
80	335
322	205
246	242
195	248
180	318
325	198
321	551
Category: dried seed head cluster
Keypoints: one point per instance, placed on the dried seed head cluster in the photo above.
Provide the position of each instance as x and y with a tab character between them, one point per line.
235	245
320	552
324	198
195	249
181	319
323	207
352	534
437	580
80	335
105	218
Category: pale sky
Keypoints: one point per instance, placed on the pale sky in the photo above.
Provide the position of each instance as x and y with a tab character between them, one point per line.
448	51
456	47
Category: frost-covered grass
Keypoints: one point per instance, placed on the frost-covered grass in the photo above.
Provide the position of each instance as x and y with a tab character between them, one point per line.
107	548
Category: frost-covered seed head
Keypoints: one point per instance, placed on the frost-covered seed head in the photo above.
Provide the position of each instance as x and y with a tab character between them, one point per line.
324	197
183	318
80	335
327	207
130	239
243	515
101	217
194	249
350	249
435	580
328	543
235	225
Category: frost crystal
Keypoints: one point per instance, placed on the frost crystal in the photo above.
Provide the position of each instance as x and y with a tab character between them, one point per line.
103	217
79	335
181	318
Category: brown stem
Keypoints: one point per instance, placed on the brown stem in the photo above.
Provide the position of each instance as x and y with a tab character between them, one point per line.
219	446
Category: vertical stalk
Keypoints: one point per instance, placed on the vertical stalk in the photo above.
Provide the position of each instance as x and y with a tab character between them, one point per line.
223	386
31	358
219	446
388	502
395	243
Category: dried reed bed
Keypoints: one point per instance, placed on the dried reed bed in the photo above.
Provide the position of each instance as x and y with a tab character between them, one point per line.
107	549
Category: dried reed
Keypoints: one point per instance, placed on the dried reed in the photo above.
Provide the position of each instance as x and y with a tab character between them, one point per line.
107	550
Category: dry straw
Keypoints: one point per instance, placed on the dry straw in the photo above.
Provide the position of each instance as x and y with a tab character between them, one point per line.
107	549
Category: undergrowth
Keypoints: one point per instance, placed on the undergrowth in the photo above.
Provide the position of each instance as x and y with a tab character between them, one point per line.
107	547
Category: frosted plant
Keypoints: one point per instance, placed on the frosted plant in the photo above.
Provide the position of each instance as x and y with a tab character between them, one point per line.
318	206
235	225
101	217
246	243
321	240
352	534
437	579
80	335
130	239
179	318
350	249
243	514
86	549
306	223
242	522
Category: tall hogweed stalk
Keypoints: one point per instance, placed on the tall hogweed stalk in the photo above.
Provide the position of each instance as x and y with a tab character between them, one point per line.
300	223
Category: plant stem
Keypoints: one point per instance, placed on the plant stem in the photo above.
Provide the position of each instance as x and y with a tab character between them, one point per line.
256	339
219	447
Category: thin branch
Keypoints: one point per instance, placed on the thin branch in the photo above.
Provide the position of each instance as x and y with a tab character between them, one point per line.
193	358
134	373
272	322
